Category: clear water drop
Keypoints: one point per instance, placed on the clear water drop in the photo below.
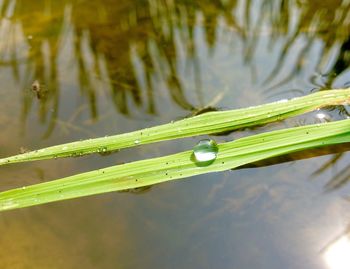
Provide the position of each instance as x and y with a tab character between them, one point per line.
205	152
136	142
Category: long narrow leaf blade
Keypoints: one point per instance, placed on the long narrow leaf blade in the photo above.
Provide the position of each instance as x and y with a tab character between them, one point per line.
176	166
211	122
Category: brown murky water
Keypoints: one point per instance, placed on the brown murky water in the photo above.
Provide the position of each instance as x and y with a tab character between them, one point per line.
72	70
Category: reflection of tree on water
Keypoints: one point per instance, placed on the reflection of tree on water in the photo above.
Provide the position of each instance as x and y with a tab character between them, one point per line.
151	31
324	24
35	60
108	33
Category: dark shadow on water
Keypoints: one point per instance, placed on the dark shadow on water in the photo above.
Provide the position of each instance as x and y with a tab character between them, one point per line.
339	180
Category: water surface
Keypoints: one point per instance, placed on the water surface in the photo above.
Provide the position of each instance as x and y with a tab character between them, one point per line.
107	67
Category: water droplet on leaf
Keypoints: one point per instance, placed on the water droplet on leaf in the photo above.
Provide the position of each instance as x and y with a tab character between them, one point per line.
205	152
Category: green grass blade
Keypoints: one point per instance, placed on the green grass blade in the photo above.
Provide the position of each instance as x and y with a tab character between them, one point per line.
176	166
211	122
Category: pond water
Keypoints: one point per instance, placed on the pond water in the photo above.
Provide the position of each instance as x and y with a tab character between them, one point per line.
73	70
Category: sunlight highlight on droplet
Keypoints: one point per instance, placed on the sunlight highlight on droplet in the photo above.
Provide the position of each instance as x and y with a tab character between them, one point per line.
337	255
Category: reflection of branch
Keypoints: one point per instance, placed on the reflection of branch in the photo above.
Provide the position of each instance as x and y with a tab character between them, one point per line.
84	78
328	164
339	180
300	60
255	33
53	91
281	59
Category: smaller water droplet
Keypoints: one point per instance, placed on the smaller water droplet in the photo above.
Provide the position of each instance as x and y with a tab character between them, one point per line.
205	152
136	142
102	150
